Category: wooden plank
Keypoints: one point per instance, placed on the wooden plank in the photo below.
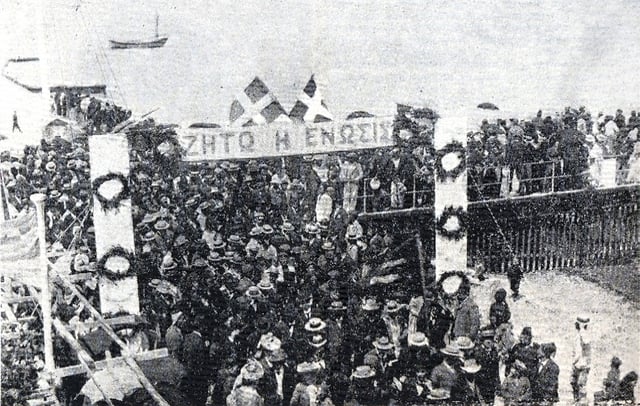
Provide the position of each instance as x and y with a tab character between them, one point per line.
128	319
126	354
19	299
119	361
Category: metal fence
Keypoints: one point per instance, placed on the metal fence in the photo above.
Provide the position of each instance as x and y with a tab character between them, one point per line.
541	177
555	231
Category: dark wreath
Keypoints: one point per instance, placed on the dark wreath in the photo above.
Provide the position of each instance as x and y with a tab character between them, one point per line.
456	147
117	251
113	203
448	213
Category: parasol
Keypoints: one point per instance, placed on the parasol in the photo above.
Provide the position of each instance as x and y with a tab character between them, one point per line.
488	106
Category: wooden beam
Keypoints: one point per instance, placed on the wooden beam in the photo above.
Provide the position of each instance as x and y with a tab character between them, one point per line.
83	356
126	354
20	299
128	319
79	277
141	356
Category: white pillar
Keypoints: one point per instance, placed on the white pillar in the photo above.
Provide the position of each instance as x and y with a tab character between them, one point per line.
45	296
109	153
450	193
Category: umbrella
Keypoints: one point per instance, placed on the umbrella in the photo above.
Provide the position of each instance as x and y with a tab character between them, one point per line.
488	106
359	114
116	383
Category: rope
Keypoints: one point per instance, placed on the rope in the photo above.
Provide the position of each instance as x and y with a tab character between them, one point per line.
493	217
86	213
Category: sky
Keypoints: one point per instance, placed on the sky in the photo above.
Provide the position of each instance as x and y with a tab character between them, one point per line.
521	55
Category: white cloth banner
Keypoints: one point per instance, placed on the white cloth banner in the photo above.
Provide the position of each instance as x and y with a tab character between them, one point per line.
109	153
281	139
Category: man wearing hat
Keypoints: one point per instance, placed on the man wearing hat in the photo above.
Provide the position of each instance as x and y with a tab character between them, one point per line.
544	387
581	363
246	394
467	317
311	390
278	377
486	354
446	375
526	352
363	389
369	326
324	205
350	175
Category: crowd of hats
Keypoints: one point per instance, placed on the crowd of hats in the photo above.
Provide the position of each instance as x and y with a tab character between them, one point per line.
61	171
574	136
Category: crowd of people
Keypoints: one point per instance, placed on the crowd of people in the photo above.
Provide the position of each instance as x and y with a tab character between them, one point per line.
549	154
267	287
98	115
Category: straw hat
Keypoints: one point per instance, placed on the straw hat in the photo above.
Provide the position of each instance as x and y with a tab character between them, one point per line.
149	236
311	229
451	350
235	239
252	371
315	324
336	306
286	226
253	292
267	229
270	342
391	307
308	367
363	372
370	304
470	366
438	394
255	231
418	339
317	341
383	344
214	257
328	246
464	343
161	225
168	264
265	285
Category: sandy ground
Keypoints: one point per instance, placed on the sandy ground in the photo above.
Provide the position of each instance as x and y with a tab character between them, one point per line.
550	303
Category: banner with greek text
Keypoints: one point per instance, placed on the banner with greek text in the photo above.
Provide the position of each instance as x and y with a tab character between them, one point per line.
282	139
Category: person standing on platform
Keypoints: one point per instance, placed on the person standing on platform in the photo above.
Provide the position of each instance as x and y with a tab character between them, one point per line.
514	273
351	175
16	126
581	360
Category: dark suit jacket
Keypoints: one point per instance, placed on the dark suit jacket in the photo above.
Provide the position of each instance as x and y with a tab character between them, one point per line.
545	385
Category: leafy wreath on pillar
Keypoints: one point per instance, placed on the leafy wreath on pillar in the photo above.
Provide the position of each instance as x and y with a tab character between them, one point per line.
453	147
114	202
103	267
448	213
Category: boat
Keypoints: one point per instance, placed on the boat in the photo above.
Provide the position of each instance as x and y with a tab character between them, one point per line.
157	42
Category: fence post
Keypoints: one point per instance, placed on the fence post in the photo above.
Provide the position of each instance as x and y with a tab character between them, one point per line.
364	195
414	191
